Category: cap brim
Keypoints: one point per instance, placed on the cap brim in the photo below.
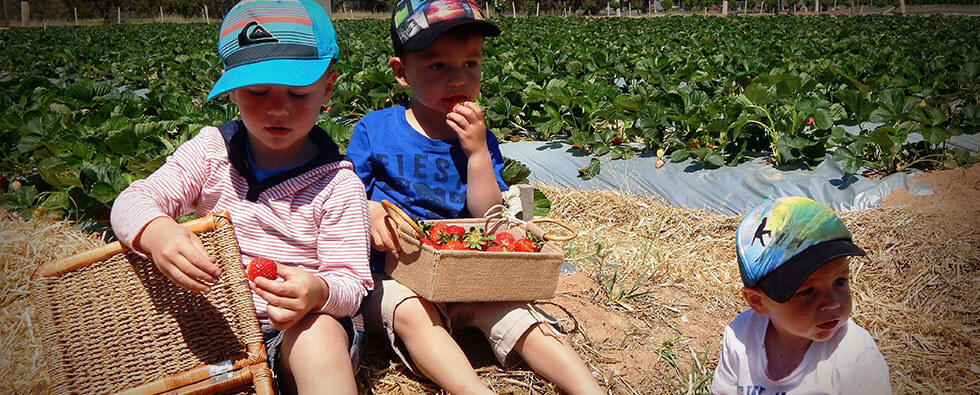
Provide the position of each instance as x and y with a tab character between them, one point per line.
288	72
783	282
427	36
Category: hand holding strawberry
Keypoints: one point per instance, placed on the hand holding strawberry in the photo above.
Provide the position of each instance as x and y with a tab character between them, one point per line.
467	121
261	267
291	299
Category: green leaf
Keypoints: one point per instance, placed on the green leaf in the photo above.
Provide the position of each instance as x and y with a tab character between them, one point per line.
882	137
629	103
103	192
542	205
715	159
679	155
57	200
587	172
823	118
514	172
935	135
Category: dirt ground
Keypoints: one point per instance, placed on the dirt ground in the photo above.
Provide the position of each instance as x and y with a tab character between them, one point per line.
670	340
646	310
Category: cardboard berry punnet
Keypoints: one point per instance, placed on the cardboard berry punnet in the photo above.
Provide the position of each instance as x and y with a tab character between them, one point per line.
468	275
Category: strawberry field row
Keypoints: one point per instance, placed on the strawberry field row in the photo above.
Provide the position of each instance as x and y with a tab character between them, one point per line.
87	110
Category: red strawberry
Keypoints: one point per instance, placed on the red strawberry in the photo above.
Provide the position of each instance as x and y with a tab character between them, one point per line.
261	267
477	240
615	141
505	239
428	241
436	231
455	232
454	245
809	122
525	245
495	248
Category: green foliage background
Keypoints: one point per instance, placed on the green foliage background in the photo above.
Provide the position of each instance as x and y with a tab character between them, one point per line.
86	110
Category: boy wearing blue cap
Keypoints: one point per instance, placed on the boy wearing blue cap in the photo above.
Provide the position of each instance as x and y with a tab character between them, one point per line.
434	157
290	193
798	336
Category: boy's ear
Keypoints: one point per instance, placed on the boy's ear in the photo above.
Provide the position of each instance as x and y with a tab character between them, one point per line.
398	69
331	80
754	297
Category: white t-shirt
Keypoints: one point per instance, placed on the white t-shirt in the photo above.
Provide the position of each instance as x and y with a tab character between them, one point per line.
847	363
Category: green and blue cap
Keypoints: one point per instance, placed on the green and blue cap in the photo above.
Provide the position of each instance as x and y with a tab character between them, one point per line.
417	23
781	242
274	42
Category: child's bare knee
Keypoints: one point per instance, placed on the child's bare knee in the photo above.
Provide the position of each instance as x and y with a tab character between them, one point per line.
415	314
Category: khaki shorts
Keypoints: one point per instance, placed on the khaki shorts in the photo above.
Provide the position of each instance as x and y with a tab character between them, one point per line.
503	323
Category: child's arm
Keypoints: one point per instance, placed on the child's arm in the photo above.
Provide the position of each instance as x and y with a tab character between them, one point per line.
725	378
343	277
383	236
179	254
482	190
142	216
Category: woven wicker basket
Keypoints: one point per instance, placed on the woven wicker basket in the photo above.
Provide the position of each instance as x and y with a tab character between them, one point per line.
110	322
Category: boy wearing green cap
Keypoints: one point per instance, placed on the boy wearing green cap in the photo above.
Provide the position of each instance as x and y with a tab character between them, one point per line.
798	336
290	193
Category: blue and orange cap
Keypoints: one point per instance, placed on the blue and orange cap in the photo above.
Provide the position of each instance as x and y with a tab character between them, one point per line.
781	242
417	23
275	42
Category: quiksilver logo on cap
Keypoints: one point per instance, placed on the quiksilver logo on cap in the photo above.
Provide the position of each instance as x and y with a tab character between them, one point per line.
254	33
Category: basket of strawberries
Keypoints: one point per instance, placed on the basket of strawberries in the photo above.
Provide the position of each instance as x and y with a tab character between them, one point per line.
476	259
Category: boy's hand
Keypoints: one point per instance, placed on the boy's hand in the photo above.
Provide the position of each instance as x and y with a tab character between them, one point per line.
179	254
466	119
383	234
292	299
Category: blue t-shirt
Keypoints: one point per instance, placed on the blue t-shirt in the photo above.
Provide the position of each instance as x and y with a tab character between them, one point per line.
425	177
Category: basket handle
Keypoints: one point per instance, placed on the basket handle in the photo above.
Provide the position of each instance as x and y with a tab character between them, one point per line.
399	215
550	236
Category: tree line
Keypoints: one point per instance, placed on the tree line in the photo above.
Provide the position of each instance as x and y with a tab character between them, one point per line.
107	9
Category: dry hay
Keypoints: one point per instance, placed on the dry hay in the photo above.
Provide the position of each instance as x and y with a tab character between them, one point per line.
915	293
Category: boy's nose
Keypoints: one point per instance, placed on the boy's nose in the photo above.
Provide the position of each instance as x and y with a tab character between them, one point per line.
457	77
277	105
830	301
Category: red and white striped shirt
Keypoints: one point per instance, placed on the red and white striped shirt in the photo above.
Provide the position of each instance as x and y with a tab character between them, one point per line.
317	220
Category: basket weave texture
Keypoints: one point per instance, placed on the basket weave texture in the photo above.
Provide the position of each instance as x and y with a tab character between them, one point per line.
116	323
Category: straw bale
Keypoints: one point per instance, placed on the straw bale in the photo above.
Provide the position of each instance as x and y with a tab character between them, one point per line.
915	293
23	246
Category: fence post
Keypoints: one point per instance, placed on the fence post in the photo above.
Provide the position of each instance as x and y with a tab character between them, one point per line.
513	8
901	4
724	8
76	15
207	16
816	10
5	13
25	13
537	11
118	14
161	14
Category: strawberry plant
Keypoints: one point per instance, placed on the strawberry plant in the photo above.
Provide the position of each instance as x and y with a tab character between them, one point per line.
87	110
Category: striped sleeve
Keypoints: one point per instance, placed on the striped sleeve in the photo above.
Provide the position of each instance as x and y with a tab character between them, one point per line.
343	246
171	191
